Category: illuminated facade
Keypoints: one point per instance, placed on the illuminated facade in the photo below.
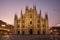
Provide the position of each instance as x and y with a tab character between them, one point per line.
31	22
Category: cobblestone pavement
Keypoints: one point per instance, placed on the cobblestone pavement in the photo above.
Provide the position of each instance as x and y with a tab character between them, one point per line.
29	37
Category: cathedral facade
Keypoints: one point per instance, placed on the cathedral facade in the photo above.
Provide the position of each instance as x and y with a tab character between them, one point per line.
31	22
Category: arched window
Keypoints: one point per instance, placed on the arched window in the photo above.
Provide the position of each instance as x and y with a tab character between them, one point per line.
30	22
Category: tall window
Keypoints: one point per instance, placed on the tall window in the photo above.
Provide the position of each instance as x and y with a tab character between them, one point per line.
30	22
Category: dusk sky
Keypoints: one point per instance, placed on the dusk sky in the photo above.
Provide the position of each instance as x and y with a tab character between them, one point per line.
8	8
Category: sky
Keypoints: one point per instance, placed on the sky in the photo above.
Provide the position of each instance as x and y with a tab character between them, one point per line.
8	8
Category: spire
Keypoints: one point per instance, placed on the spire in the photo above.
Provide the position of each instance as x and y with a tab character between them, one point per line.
34	7
15	16
21	14
46	15
46	23
15	24
40	13
26	7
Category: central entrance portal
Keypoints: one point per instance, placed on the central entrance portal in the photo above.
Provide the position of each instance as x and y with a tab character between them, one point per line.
31	31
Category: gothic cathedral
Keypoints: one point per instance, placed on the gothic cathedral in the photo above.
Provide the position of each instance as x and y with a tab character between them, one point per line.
31	22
